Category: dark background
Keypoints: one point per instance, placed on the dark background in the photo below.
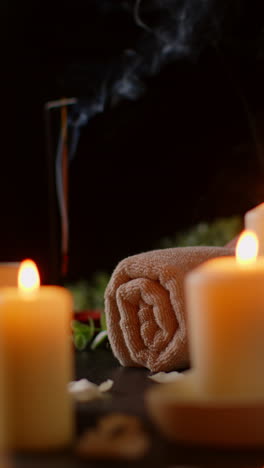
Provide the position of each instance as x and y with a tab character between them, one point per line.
179	138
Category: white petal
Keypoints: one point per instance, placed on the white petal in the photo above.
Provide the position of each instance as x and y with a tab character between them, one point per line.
163	377
105	386
84	390
81	385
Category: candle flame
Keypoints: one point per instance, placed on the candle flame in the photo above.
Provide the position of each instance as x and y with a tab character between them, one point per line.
247	247
28	276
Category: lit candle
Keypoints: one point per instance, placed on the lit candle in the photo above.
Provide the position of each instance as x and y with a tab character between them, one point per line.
35	333
254	221
225	311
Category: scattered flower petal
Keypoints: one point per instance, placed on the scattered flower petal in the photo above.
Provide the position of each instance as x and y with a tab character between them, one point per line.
100	338
105	386
164	377
84	390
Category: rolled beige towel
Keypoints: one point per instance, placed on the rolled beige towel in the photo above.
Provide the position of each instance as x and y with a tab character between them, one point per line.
144	306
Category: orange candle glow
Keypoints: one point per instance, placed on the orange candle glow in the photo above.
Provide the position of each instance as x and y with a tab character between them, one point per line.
35	326
28	276
247	248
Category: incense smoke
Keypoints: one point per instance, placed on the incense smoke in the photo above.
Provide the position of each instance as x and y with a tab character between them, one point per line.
161	32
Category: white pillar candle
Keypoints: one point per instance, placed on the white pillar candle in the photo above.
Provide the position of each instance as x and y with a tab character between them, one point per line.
225	313
35	333
254	221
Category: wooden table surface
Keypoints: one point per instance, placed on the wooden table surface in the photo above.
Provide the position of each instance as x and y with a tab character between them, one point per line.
127	396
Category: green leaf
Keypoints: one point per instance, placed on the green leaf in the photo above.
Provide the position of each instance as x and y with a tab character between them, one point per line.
79	326
83	328
76	325
80	341
217	232
103	321
99	339
91	329
86	330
